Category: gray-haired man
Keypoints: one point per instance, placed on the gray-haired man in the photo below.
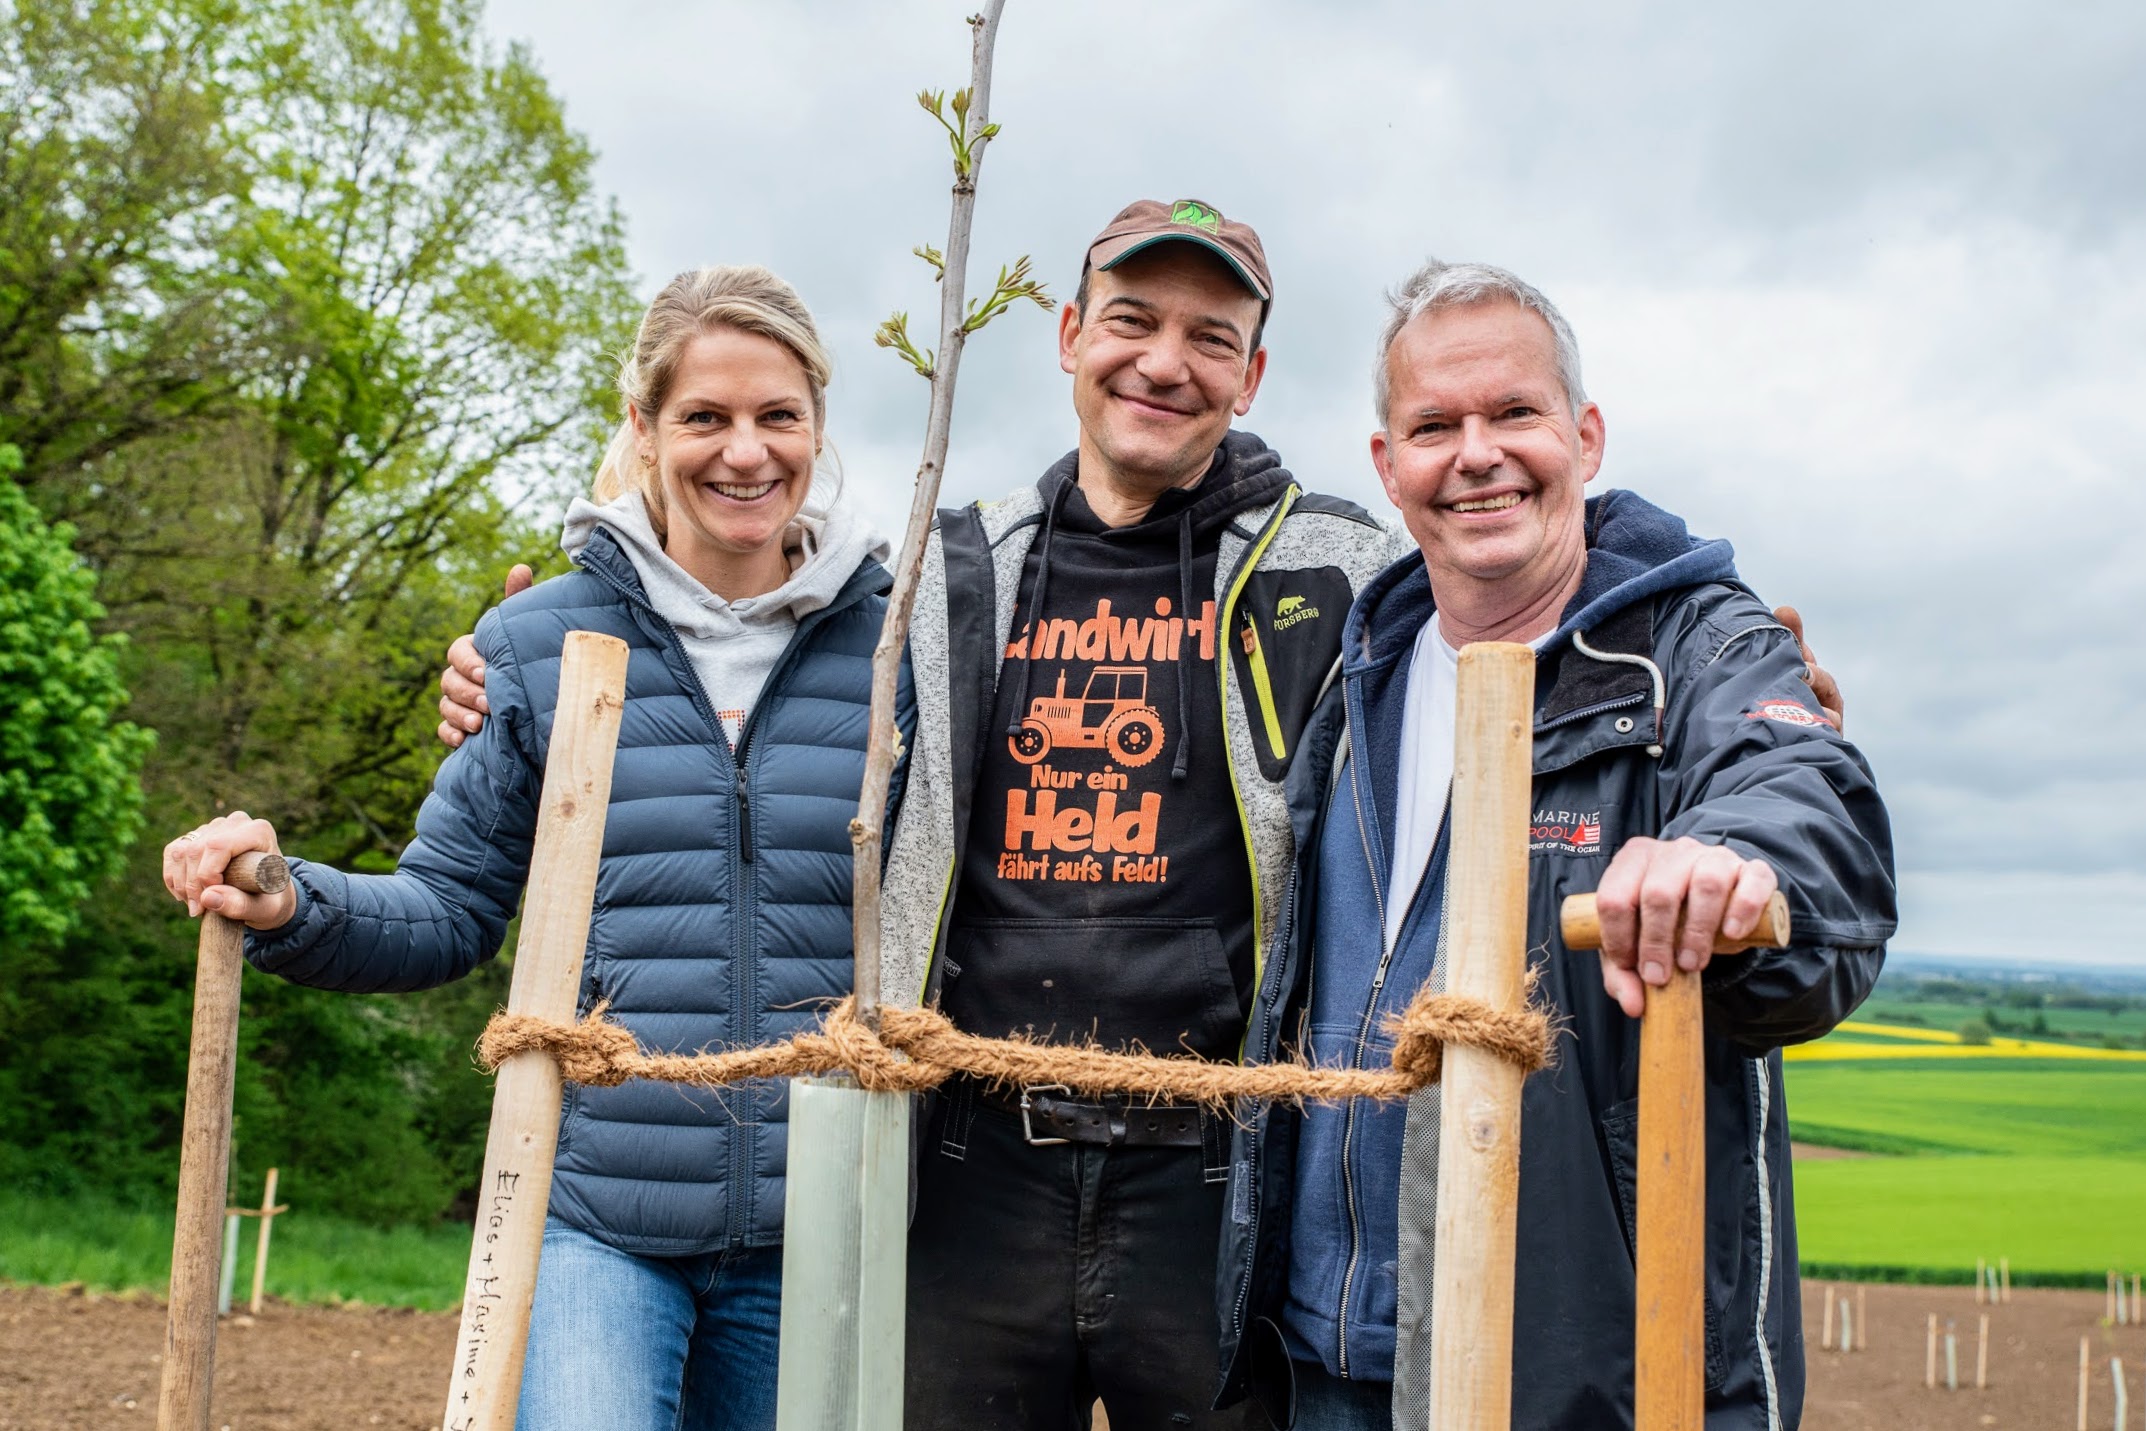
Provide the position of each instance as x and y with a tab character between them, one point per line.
1155	681
1683	767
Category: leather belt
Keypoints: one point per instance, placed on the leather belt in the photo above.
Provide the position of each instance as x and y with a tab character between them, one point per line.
1051	1115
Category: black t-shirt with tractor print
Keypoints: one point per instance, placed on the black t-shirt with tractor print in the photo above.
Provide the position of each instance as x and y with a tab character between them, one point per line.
1107	889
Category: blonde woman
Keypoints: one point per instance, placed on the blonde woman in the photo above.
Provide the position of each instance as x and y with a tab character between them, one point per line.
751	598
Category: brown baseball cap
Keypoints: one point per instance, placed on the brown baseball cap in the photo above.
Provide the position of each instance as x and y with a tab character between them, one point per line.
1149	222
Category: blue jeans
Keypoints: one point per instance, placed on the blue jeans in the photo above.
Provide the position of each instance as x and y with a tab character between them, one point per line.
650	1343
1327	1403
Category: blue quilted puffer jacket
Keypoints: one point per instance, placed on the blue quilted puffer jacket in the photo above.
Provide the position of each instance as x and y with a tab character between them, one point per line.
722	911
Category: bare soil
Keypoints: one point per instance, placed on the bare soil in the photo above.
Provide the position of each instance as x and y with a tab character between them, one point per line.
1818	1153
70	1362
2033	1361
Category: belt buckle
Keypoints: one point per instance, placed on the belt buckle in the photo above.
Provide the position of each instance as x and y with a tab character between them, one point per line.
1028	1134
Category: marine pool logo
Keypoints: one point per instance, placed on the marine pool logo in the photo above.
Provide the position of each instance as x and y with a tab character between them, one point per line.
1566	832
1788	711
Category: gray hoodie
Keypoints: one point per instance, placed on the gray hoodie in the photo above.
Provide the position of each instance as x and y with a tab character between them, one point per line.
734	644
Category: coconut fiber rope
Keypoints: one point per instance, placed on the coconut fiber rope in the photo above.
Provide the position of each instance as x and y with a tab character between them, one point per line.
917	1049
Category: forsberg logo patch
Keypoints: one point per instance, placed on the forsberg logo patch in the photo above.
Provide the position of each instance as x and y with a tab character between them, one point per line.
1566	832
1788	711
1291	610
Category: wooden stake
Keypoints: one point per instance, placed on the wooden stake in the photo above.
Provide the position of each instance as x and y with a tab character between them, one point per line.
1825	1318
2135	1306
260	1250
484	1382
1952	1359
1479	1141
1982	1354
1847	1328
2082	1384
1929	1357
2123	1393
1862	1322
2109	1315
2004	1277
205	1154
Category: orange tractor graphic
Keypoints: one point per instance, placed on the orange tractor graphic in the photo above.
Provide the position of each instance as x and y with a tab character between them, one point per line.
1112	713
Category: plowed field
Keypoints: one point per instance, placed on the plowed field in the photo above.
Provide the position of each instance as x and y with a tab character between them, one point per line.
69	1362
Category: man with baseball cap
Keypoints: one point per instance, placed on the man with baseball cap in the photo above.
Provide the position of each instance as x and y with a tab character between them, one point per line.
1116	669
1113	665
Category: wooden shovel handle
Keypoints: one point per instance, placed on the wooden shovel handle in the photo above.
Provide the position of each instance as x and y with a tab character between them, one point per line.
205	1152
1669	1390
1582	925
257	872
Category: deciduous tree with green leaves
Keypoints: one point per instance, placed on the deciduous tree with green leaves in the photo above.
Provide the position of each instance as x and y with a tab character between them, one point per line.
308	308
69	798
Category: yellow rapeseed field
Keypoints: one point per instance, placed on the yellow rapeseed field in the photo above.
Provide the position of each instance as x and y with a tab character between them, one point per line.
1896	1041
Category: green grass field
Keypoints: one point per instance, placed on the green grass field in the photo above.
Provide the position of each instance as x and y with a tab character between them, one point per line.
2039	1160
112	1248
2019	1106
1938	1214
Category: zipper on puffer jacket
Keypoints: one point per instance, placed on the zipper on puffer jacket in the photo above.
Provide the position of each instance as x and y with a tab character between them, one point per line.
742	917
743	914
744	922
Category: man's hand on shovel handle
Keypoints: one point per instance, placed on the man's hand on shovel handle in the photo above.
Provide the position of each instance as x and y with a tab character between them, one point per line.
1666	900
194	863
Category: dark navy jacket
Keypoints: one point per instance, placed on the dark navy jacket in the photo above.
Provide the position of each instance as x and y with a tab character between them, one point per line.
1726	747
722	913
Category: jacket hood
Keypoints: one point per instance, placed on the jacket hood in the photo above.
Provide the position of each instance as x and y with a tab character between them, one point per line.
1635	551
826	542
1245	473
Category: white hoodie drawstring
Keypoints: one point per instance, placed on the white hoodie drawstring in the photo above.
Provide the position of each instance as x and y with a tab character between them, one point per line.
1661	688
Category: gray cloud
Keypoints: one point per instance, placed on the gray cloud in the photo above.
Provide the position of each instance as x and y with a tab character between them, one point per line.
1860	287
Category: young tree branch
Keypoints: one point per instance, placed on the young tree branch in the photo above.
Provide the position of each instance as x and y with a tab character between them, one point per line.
970	132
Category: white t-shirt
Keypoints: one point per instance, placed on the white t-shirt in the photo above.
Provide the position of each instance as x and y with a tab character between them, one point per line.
1426	773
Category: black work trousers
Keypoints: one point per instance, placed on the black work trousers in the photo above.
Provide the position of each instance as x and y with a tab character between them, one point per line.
1044	1278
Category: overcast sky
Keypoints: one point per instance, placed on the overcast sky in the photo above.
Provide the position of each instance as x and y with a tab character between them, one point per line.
1860	287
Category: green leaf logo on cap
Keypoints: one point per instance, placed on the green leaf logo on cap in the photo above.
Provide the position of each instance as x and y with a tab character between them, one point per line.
1195	215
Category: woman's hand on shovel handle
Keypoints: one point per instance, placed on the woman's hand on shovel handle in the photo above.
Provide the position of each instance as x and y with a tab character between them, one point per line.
195	862
1663	902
